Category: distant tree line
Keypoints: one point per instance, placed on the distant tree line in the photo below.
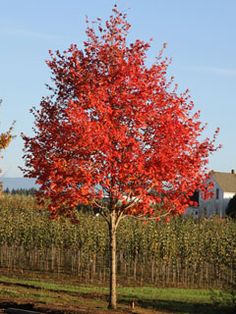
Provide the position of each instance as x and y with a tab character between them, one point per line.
231	208
20	191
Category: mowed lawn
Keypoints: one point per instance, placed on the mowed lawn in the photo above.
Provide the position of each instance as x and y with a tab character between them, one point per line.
73	298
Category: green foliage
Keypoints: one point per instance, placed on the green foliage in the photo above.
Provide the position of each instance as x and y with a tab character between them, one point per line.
227	299
231	208
181	253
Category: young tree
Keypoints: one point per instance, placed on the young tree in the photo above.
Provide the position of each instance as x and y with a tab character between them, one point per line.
114	134
231	208
5	139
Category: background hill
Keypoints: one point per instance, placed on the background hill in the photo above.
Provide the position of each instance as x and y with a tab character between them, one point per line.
18	183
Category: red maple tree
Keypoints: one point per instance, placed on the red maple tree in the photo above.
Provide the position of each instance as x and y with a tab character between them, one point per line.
116	134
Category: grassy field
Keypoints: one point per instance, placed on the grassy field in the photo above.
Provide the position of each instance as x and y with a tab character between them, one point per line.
62	297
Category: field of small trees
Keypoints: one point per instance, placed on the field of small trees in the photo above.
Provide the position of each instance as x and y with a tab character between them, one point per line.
181	253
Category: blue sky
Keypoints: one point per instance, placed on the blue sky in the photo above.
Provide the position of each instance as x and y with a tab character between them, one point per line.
201	41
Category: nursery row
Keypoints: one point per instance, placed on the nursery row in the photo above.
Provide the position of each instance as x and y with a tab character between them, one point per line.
180	253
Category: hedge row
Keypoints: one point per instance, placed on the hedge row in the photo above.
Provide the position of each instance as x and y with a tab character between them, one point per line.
183	252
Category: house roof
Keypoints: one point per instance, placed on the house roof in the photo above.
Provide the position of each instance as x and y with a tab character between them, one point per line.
226	180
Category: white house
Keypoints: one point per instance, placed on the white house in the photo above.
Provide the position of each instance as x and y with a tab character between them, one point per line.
224	189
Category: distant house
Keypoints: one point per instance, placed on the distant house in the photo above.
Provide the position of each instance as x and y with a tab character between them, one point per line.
223	190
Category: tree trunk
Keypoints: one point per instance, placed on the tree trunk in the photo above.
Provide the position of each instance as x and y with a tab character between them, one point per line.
112	235
135	264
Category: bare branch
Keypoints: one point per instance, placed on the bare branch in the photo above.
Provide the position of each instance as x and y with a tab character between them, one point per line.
145	218
99	205
118	219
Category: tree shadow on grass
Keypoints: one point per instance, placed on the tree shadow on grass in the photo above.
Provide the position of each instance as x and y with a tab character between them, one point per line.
185	307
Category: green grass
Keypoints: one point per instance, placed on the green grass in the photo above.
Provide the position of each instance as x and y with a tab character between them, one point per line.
175	300
151	293
138	293
54	286
63	298
169	300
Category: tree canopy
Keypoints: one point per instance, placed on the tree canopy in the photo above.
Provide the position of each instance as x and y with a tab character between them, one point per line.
114	123
5	138
231	208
